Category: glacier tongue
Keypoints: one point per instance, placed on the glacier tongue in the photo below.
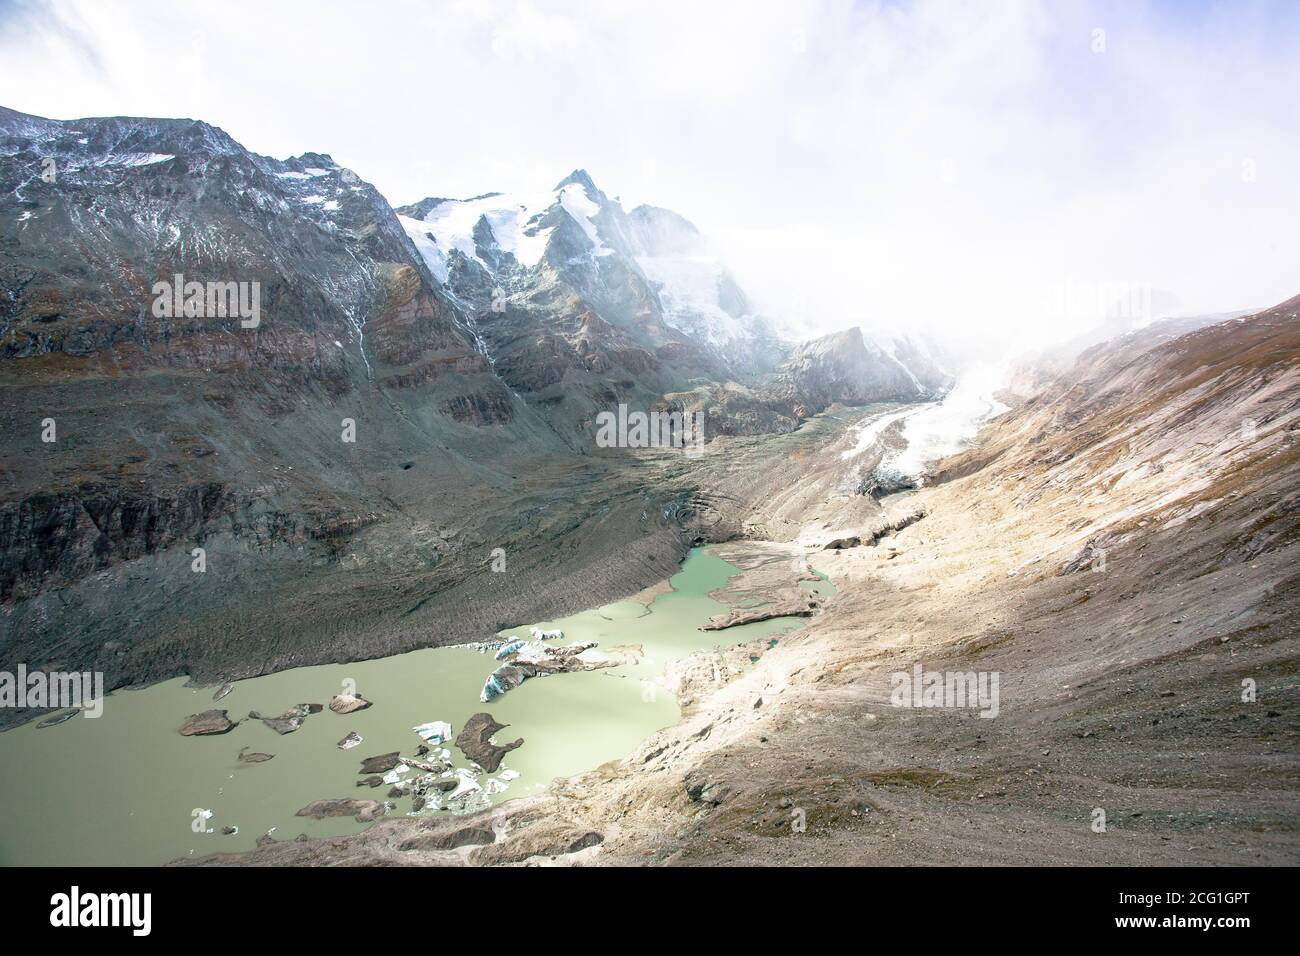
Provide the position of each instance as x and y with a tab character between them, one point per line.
934	430
949	426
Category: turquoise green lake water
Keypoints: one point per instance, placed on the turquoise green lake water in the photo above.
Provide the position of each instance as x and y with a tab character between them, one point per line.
122	789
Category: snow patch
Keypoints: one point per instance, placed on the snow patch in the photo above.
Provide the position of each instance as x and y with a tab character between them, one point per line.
580	207
418	231
134	159
309	174
509	217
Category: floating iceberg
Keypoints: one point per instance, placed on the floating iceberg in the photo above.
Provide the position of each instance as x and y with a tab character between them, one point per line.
504	678
434	732
536	658
395	775
508	649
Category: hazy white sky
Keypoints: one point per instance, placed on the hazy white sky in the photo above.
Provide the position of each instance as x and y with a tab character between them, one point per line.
994	171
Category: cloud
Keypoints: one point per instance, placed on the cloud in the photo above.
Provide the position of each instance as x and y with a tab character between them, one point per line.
952	167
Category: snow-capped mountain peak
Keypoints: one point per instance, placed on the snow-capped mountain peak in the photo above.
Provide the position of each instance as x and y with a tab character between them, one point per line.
577	230
492	226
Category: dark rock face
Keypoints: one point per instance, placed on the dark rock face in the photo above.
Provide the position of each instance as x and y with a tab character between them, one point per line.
474	742
194	431
61	537
489	407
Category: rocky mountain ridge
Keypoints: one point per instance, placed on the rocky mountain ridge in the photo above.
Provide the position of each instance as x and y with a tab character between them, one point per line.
568	281
349	461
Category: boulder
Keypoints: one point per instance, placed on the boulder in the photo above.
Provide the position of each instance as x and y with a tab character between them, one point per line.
381	764
290	720
208	722
348	703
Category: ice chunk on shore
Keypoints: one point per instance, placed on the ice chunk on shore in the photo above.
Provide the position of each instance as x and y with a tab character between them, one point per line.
466	786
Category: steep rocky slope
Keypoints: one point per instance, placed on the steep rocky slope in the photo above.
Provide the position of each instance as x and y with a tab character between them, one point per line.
183	432
351	457
552	287
1120	551
847	368
582	306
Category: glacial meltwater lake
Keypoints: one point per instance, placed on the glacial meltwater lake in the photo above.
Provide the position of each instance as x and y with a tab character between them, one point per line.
122	789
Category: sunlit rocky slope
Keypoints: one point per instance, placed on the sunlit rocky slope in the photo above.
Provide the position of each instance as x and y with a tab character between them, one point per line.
1120	549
